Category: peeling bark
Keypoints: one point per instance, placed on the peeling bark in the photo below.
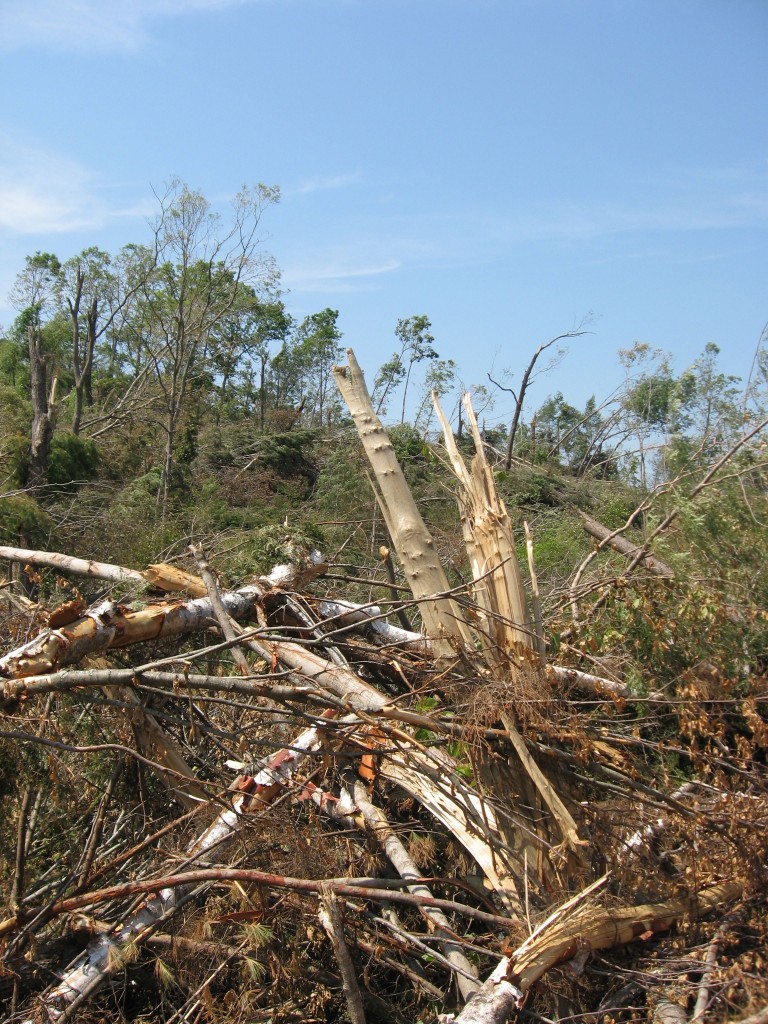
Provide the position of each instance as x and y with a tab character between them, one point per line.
107	625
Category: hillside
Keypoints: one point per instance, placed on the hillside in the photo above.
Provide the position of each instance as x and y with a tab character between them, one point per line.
575	744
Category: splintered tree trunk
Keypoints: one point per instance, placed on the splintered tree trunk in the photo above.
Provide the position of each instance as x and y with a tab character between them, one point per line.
108	625
442	617
42	411
497	584
588	929
504	639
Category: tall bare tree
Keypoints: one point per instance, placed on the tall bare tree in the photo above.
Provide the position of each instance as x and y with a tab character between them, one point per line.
525	383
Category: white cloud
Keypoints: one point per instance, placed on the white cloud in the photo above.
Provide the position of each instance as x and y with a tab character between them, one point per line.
86	25
645	215
330	278
44	192
324	184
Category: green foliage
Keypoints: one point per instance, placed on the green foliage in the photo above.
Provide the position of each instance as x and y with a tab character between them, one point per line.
343	498
14	367
288	454
526	488
302	370
558	545
408	443
22	517
72	459
14	452
616	507
273	545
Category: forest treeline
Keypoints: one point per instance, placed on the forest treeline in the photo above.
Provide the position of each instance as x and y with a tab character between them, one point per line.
161	406
151	377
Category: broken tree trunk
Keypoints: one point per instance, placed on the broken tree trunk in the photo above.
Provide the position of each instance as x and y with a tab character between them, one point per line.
585	930
442	616
508	637
497	586
107	625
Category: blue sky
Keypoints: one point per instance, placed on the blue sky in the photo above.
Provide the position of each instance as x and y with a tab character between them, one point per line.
507	167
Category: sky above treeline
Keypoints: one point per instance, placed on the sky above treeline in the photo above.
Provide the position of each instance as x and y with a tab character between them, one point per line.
510	168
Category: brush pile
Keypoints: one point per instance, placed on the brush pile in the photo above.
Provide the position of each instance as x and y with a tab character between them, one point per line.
269	803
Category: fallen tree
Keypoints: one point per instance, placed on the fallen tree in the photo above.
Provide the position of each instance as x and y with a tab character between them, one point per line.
487	782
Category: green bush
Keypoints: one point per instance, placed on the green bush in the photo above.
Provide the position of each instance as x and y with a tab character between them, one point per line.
21	517
72	459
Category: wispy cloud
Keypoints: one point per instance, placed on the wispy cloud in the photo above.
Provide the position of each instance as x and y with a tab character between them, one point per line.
42	191
325	184
45	192
90	25
326	277
663	212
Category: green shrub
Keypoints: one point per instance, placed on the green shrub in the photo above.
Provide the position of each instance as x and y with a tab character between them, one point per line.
72	459
22	517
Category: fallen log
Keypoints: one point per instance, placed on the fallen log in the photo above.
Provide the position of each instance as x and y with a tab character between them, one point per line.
68	563
431	780
109	625
613	539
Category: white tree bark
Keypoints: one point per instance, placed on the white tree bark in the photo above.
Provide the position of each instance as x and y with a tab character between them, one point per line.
67	563
421	562
376	820
108	625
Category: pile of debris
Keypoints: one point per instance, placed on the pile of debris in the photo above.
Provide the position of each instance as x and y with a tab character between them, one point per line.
444	825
